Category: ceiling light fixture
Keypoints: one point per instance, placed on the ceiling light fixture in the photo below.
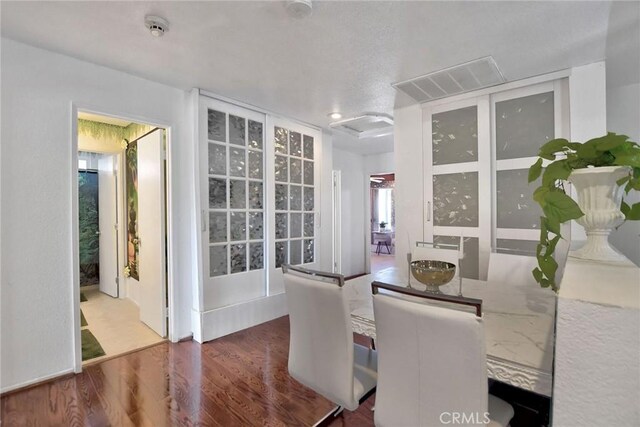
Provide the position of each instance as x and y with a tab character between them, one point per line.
299	8
156	25
335	115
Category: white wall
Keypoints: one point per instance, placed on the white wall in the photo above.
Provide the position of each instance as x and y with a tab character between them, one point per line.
326	203
623	101
38	89
379	163
353	210
597	371
409	180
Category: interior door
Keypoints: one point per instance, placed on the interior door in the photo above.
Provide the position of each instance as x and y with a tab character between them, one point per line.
294	196
457	165
523	120
232	148
151	229
108	220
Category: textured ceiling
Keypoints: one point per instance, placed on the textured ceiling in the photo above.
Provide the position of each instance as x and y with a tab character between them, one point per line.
342	58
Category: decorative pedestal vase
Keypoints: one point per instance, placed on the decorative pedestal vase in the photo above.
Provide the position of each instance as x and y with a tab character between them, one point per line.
599	198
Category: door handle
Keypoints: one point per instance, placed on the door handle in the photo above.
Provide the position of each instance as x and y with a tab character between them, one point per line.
428	211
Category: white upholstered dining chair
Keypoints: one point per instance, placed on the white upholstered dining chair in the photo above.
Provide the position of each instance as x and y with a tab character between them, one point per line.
435	251
509	268
432	367
322	354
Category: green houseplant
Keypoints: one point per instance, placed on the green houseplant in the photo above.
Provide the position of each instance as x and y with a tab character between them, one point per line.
383	225
610	151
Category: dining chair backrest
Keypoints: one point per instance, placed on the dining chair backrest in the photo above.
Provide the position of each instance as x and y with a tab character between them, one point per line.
431	251
431	361
321	354
511	269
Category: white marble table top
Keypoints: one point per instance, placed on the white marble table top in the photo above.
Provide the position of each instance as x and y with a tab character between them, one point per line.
518	319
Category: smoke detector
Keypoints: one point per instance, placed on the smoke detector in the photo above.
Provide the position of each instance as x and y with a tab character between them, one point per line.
156	25
299	8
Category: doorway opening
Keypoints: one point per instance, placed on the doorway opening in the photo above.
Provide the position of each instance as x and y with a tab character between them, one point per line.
383	221
122	235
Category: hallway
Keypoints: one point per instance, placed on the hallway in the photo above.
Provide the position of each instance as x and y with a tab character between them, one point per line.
116	324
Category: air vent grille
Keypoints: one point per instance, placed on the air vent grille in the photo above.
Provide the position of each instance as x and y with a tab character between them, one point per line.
466	77
367	125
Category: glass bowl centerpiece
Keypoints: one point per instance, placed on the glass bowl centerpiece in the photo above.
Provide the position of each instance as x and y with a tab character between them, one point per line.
433	273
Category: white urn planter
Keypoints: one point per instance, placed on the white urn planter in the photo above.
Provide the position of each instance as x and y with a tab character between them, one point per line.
599	197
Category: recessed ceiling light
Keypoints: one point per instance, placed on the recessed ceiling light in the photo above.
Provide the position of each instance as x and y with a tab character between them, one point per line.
335	115
156	25
299	8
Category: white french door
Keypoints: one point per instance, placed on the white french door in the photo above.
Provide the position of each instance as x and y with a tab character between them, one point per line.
152	297
457	161
477	153
232	157
108	221
294	197
523	120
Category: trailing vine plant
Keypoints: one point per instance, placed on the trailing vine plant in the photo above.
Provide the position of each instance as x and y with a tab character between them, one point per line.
558	207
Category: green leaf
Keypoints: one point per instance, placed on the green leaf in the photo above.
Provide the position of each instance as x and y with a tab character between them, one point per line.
631	158
587	151
623	180
631	213
560	207
539	194
552	225
537	274
548	265
610	141
633	184
553	146
557	170
535	170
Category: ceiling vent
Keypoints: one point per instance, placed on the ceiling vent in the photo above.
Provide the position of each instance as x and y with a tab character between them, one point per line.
367	125
455	80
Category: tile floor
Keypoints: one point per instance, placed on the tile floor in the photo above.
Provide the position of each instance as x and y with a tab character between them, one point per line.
116	324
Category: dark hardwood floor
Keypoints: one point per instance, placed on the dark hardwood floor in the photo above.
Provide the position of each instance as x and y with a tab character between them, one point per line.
238	380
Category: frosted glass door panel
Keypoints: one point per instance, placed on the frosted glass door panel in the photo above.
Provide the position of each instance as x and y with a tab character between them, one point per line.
523	125
455	199
455	136
457	172
524	120
515	205
293	197
294	194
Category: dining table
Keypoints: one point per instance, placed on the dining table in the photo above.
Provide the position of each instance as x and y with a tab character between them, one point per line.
518	319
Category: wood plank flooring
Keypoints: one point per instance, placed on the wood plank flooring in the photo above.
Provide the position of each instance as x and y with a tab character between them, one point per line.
237	380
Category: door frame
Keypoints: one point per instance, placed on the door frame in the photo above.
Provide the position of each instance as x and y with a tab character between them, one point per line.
368	225
171	260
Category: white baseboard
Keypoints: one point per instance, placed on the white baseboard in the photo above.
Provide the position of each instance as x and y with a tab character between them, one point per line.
36	380
223	321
